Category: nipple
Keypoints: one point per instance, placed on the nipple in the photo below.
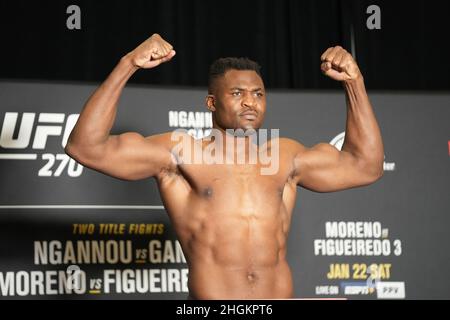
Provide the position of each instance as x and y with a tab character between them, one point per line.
207	192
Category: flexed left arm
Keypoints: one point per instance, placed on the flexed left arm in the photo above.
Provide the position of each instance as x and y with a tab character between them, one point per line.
323	168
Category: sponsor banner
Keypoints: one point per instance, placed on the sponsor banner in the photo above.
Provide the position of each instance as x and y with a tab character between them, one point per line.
69	232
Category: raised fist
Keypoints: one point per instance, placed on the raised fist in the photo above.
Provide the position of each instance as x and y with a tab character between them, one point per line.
339	65
152	52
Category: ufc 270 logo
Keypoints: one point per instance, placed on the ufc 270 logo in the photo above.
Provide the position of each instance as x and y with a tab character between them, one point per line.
21	141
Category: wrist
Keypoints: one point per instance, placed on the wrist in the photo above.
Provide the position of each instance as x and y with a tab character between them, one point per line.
357	81
127	61
355	90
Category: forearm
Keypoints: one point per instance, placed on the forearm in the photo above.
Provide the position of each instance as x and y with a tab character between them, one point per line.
97	117
363	136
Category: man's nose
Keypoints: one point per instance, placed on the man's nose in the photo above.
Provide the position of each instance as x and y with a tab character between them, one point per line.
248	99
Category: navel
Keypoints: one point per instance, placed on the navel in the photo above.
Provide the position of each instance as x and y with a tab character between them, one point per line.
251	276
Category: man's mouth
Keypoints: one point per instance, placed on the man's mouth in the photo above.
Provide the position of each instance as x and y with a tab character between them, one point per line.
249	115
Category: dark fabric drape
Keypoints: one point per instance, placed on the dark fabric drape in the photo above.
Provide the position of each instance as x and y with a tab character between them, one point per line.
286	37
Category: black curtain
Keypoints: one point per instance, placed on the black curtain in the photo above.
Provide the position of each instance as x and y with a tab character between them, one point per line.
287	37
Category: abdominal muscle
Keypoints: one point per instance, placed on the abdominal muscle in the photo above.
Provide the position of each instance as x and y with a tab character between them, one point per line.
212	281
237	256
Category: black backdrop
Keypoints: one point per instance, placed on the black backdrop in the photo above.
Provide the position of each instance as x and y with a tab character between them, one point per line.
286	37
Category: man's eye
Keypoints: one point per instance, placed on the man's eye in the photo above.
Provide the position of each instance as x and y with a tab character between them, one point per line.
236	93
259	94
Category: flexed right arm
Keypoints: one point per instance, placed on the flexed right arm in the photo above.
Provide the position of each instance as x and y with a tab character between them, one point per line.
128	156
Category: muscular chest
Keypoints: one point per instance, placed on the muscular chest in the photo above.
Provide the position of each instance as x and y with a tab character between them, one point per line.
244	184
221	187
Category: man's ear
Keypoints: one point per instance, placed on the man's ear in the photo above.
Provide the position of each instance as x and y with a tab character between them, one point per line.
210	102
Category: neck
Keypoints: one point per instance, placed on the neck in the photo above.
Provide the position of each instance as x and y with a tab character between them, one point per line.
239	140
